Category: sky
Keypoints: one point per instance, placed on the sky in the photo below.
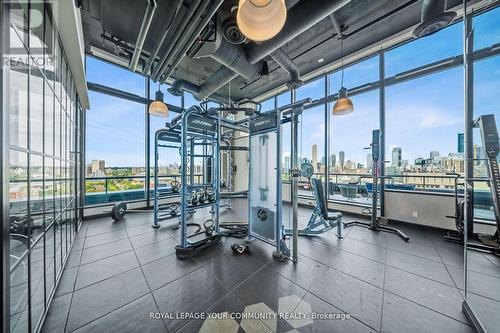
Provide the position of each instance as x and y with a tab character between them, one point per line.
422	115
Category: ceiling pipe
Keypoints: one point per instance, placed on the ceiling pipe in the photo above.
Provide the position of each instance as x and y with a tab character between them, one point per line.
196	9
433	18
179	86
143	32
290	66
301	17
188	39
159	43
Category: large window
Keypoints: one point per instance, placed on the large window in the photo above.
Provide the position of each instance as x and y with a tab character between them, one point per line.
169	158
440	45
115	145
42	158
113	76
349	162
424	126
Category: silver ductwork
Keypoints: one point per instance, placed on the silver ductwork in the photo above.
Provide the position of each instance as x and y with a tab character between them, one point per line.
433	18
246	62
233	57
217	80
300	17
290	66
234	62
179	86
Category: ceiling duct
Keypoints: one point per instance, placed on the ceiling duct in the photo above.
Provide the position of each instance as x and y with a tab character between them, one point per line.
290	66
247	62
434	17
179	86
301	17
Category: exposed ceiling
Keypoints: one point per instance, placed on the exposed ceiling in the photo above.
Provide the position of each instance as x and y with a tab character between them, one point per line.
111	28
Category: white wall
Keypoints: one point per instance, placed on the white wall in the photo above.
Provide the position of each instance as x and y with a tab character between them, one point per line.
421	208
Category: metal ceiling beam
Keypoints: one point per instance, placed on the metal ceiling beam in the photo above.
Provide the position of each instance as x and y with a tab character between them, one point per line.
143	32
195	9
160	42
127	96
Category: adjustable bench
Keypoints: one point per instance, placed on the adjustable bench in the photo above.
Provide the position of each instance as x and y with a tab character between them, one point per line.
321	219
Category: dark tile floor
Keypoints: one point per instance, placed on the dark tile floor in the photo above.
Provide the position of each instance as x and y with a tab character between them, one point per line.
120	273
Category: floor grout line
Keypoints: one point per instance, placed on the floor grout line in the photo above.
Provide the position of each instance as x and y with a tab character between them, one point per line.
201	264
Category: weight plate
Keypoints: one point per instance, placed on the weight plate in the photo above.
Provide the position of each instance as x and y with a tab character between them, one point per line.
118	211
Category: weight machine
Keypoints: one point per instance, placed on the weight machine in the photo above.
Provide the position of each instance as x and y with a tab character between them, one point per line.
374	224
265	178
487	243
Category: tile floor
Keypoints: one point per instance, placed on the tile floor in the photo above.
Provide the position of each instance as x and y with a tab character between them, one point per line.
120	273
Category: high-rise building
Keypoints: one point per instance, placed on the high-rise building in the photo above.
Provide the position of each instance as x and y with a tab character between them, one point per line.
315	156
460	143
333	160
349	165
341	158
287	163
98	166
397	156
478	154
369	161
434	154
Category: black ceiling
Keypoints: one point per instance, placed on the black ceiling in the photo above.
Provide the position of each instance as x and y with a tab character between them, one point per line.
113	26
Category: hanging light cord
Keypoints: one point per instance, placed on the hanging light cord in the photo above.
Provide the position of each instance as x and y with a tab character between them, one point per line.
342	60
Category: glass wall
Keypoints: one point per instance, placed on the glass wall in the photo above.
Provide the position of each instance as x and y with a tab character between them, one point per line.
423	115
115	137
169	158
482	268
42	186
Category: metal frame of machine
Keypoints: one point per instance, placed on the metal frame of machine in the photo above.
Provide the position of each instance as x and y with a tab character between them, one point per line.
374	224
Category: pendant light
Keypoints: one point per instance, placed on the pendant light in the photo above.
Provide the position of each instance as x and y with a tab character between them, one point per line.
158	107
260	20
343	105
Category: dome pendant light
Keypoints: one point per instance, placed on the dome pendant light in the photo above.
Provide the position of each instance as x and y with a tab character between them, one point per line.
260	20
343	105
158	107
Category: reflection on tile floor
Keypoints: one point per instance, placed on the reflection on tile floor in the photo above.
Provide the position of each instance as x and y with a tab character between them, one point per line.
124	276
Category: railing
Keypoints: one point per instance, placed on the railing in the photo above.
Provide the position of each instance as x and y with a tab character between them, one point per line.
125	188
355	188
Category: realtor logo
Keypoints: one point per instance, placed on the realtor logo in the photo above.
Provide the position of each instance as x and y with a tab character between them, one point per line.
32	26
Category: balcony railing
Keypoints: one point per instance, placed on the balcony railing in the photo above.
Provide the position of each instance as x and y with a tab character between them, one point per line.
350	188
99	190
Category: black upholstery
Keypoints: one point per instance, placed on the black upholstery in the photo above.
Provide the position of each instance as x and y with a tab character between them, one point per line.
319	193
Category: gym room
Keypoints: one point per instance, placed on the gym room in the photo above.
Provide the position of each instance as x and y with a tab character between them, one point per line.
250	166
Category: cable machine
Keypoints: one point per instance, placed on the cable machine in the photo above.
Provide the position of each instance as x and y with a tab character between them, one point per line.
265	213
482	242
374	224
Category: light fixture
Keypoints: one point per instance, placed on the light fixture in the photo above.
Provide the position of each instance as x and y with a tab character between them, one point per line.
343	105
260	20
158	107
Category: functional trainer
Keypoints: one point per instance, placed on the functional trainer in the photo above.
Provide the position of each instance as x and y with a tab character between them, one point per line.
374	224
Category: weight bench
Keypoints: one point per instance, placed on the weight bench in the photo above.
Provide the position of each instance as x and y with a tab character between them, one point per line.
321	219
